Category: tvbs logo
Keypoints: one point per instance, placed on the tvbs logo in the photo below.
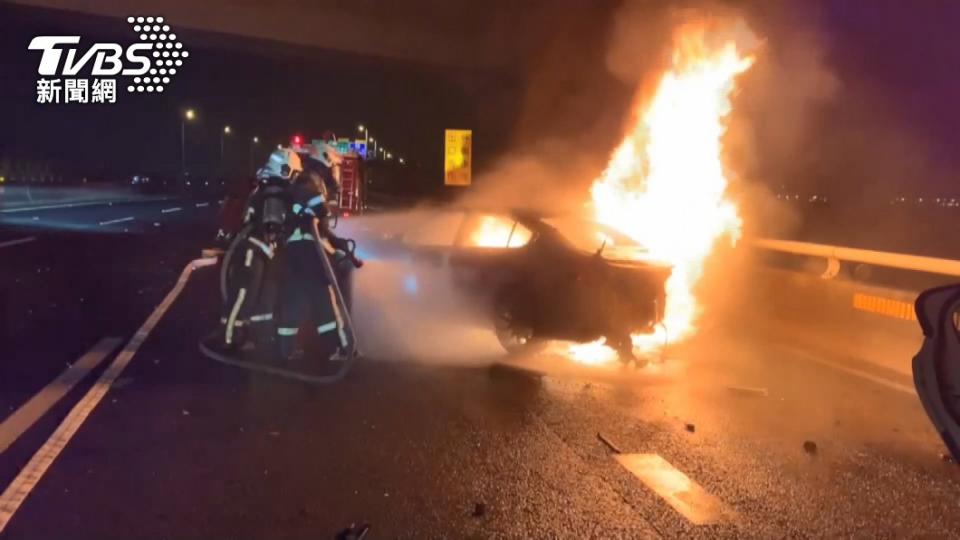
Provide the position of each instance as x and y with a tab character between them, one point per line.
88	75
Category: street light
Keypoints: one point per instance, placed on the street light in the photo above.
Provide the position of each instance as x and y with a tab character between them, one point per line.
367	139
188	115
254	141
226	131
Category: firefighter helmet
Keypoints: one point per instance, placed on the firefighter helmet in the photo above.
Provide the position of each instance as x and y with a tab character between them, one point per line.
283	163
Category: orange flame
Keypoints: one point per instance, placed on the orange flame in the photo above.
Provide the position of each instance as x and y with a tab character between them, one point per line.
665	184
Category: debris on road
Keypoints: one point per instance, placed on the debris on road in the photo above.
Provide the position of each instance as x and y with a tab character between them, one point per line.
749	390
354	532
691	428
609	443
185	412
810	447
479	509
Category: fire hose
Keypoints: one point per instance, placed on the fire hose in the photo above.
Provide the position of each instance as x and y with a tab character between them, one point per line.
351	352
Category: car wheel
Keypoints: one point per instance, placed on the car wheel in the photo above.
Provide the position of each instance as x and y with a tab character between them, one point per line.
514	335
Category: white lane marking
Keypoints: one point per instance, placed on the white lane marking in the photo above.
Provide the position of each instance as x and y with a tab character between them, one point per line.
17	242
676	488
52	207
79	204
112	221
30	475
168	210
13	427
202	204
852	371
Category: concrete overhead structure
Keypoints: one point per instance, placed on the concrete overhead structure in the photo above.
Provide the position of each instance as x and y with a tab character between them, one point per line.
493	34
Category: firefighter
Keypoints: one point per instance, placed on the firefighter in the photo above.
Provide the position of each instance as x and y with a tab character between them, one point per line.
322	157
307	281
249	274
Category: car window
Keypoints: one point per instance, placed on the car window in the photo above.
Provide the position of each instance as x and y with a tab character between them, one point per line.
495	231
437	230
521	236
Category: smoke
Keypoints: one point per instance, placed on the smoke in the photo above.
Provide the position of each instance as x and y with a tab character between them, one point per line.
409	308
585	92
551	178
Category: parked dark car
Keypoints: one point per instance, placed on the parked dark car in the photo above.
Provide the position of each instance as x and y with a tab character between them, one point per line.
546	278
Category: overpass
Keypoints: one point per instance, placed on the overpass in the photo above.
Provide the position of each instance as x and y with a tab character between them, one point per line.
480	36
792	412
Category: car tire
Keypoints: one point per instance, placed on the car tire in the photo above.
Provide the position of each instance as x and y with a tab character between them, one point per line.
515	338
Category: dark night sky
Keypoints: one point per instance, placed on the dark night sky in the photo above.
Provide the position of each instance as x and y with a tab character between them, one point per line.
258	88
891	123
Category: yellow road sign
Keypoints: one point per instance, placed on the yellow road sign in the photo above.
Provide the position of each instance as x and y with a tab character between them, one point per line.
457	157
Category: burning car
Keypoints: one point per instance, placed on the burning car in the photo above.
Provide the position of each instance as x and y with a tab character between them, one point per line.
545	278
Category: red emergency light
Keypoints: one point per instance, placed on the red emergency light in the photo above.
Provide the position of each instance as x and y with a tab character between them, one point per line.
296	140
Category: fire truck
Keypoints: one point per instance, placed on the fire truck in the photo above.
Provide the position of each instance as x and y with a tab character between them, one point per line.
353	189
352	186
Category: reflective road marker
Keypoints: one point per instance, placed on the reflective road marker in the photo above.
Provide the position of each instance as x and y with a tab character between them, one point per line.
683	494
30	475
31	411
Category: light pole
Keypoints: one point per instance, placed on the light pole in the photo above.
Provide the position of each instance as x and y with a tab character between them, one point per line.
226	131
188	115
253	142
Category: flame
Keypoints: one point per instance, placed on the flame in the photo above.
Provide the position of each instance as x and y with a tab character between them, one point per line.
665	183
498	232
491	232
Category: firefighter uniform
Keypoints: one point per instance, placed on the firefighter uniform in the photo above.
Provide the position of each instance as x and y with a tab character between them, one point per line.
251	282
306	288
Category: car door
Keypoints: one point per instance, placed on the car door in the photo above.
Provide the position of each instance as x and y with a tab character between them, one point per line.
489	250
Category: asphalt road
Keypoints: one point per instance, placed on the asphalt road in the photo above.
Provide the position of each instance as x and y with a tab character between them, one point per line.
734	434
70	275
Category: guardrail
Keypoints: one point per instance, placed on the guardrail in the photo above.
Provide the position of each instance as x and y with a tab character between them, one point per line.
835	254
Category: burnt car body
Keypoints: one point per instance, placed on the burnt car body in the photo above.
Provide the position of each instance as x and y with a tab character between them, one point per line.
545	278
